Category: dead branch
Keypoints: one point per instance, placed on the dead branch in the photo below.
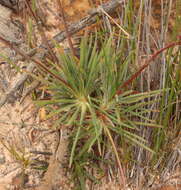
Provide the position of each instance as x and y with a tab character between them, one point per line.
41	51
11	4
15	5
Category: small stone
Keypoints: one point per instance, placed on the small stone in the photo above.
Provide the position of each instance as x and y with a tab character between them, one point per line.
2	159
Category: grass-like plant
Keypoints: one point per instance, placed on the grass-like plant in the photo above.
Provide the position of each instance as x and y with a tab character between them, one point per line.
86	95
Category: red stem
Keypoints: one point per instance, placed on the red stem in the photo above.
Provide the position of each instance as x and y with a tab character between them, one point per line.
127	82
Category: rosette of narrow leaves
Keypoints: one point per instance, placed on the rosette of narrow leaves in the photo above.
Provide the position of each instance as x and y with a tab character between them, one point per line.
86	99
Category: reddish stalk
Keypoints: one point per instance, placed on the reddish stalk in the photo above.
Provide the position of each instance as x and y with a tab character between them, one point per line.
148	61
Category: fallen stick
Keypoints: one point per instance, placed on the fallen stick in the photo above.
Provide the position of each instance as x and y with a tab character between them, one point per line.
41	51
11	4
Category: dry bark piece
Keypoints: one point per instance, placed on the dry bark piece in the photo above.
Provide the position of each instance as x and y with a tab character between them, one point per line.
11	4
12	33
8	29
55	169
15	5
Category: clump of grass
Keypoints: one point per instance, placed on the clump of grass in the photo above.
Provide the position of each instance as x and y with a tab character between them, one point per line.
86	96
19	155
